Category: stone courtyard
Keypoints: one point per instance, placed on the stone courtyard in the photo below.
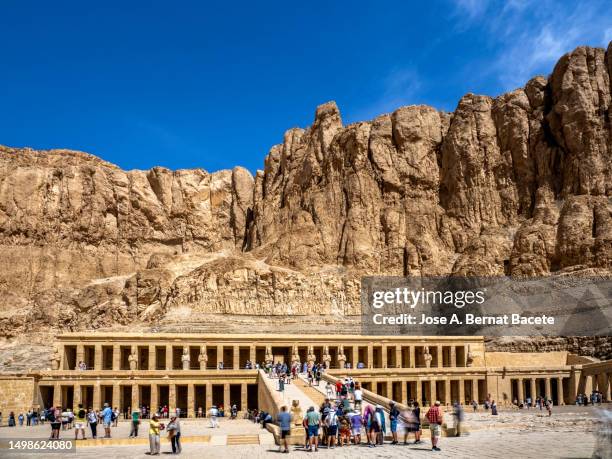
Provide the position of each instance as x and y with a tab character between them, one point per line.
570	432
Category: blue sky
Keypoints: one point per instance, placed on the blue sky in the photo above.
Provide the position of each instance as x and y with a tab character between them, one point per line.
189	84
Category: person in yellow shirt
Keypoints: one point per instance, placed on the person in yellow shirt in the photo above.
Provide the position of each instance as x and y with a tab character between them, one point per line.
154	429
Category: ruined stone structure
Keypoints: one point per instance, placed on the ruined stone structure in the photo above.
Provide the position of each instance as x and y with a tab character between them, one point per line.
401	368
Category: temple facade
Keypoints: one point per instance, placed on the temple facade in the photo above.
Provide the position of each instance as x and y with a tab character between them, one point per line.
196	371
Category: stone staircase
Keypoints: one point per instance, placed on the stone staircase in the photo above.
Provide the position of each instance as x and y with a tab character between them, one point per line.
317	395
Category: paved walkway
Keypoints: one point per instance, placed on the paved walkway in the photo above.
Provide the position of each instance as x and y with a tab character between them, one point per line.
497	444
291	392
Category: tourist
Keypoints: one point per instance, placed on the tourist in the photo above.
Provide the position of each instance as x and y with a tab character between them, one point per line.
20	419
379	418
107	419
368	421
358	396
549	404
393	418
66	419
331	423
356	425
135	423
475	405
345	429
80	422
214	412
29	418
459	416
92	417
328	390
154	429
234	411
115	417
434	416
200	412
55	420
174	433
528	403
284	422
314	422
494	408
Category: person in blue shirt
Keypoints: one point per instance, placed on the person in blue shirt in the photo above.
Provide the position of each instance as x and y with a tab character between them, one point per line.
284	422
107	419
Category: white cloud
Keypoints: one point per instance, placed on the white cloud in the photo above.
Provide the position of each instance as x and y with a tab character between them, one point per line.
532	35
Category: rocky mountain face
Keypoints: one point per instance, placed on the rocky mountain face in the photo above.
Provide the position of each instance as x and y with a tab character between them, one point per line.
520	184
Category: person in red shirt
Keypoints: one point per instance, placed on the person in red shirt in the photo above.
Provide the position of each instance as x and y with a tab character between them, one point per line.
338	388
434	416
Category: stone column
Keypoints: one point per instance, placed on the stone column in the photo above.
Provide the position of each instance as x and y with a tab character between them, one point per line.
560	400
219	355
237	358
226	397
154	399
116	357
475	390
404	399
447	391
208	397
389	389
370	362
80	356
172	398
76	396
152	357
588	385
419	391
432	392
98	357
453	356
534	392
57	395
96	403
116	395
169	356
244	393
607	392
521	395
383	359
548	393
135	397
440	356
355	356
462	391
252	355
190	401
398	357
412	358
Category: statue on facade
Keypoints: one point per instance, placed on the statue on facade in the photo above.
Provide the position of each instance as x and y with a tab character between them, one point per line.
185	358
269	356
427	356
311	357
326	357
341	357
295	355
296	413
469	359
133	360
203	358
56	358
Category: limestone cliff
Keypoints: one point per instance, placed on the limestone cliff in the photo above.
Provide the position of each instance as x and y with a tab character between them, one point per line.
520	184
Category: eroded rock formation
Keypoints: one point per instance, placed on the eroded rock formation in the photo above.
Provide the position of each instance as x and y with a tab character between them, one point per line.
520	184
